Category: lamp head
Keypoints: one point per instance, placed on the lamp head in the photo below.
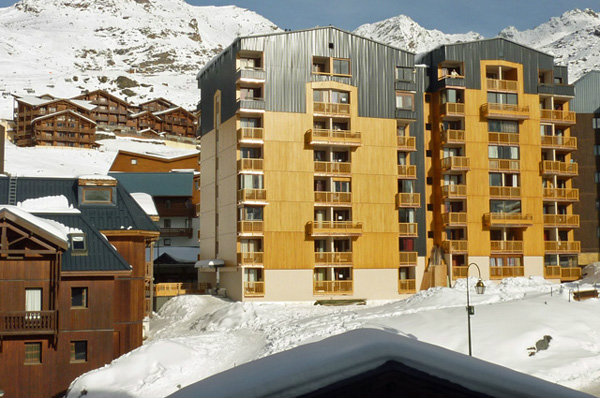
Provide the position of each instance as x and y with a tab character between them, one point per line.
479	287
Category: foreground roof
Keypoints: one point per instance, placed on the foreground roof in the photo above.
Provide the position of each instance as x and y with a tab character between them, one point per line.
158	184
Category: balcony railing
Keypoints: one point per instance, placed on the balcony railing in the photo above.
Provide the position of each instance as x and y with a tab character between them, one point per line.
554	167
450	136
557	116
254	289
252	195
460	272
508	219
552	271
454	191
334	228
250	227
27	322
251	104
559	142
333	198
331	108
408	199
333	168
407	143
248	164
250	258
407	171
408	258
562	220
505	111
502	85
506	272
453	219
175	289
562	247
507	165
506	246
250	134
456	163
332	258
332	287
565	274
455	246
334	137
505	192
250	73
407	286
408	229
452	109
503	138
176	232
561	194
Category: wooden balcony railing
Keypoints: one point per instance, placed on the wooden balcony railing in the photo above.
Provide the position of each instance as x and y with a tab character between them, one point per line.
451	136
506	272
502	85
407	171
562	247
332	287
333	198
454	218
455	246
508	219
250	258
557	116
505	111
250	227
332	258
460	272
454	191
407	286
248	164
250	134
408	258
254	289
334	137
331	108
562	220
561	194
565	274
507	165
334	228
456	163
559	142
408	199
27	322
165	232
174	289
408	229
452	109
505	192
149	271
506	246
503	138
554	167
337	168
552	271
252	195
406	143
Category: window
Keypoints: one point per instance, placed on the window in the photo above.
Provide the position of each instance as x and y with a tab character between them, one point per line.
79	297
341	66
331	66
503	152
97	195
78	243
251	213
133	161
502	98
79	351
33	353
505	206
167	242
167	223
320	65
597	178
404	101
33	300
596	150
503	126
404	74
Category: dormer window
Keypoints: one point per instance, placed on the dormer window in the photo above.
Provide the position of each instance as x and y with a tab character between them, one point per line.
97	195
78	244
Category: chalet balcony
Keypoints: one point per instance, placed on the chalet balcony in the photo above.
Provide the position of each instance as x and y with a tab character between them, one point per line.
507	220
505	192
250	135
561	220
557	116
28	323
250	258
334	228
506	272
250	228
408	172
249	195
251	104
407	286
249	165
505	165
562	247
333	287
250	74
559	142
333	258
506	246
172	232
333	198
408	259
455	246
502	85
407	143
333	137
331	109
408	229
459	272
333	168
454	191
503	138
561	194
451	136
555	167
456	109
454	219
565	274
456	164
408	199
505	111
254	289
174	289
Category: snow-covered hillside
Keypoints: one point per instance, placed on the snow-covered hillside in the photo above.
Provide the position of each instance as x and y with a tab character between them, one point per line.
134	48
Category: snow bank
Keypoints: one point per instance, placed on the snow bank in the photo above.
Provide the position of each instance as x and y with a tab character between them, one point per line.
146	203
48	204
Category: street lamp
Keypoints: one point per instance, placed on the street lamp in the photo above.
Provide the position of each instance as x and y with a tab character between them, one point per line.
479	288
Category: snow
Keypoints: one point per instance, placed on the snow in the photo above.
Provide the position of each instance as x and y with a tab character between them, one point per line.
48	204
58	230
218	334
146	203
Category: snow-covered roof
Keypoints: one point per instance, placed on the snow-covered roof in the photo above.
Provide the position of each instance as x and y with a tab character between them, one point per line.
166	111
138	114
146	203
148	130
37	101
50	227
169	154
48	204
103	177
309	367
60	113
32	99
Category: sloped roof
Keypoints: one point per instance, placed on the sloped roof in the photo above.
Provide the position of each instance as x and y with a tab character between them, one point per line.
158	184
79	115
57	235
138	114
159	99
103	92
166	111
37	101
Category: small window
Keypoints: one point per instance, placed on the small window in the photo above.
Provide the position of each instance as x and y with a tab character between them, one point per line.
430	234
78	243
79	297
404	74
133	161
79	351
97	195
33	353
596	123
597	178
167	242
341	66
404	101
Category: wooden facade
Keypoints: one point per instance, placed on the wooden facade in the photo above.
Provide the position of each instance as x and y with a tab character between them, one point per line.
178	121
110	110
144	120
156	105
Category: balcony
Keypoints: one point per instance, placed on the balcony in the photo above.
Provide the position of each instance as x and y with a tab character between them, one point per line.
331	109
455	80
454	191
505	192
333	168
408	199
254	289
557	116
507	220
456	164
505	111
249	195
505	165
450	136
174	289
249	165
333	258
408	172
506	272
565	274
409	229
251	104
561	90
455	246
406	115
250	228
408	259
459	272
407	286
561	194
332	287
559	142
250	75
250	258
333	198
27	323
250	135
171	232
562	247
454	219
452	109
555	167
406	143
503	138
334	228
333	137
506	246
561	220
502	85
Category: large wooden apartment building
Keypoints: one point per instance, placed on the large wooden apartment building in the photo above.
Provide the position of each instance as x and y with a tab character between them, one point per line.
110	110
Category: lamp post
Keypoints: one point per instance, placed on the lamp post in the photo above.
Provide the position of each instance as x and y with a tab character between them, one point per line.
479	288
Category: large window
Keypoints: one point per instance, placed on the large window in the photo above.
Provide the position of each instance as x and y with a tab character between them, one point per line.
404	101
337	97
503	126
505	206
251	213
97	195
502	98
331	66
79	351
33	353
504	180
503	152
404	74
79	297
341	66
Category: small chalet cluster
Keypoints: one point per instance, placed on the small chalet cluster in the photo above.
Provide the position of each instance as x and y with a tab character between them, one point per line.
47	120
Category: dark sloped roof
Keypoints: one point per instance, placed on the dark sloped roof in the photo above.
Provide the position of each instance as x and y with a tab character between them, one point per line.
158	184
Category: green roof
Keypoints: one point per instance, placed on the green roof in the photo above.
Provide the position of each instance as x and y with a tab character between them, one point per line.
158	184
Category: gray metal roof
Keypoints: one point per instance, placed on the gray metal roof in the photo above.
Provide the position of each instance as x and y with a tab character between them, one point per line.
158	184
587	93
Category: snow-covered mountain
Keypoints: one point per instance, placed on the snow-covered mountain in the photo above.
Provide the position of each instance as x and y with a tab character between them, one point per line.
134	48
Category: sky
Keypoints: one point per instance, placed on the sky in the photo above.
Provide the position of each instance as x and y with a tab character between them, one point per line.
450	16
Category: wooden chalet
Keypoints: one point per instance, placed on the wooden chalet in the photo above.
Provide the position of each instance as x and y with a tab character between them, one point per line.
156	105
178	121
110	110
144	120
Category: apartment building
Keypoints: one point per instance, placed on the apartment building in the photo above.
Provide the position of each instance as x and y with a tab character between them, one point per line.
500	192
312	185
110	111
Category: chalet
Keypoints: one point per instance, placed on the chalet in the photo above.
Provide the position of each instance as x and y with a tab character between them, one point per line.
178	121
156	105
110	110
141	162
143	120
